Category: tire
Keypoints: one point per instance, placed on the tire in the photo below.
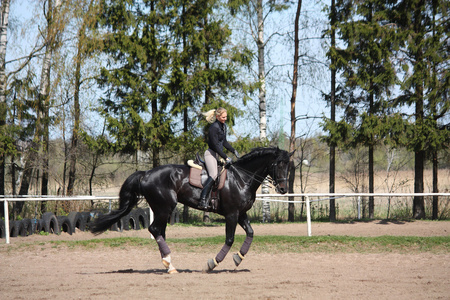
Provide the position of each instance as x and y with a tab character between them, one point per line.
50	223
34	226
142	217
65	225
77	220
129	222
2	229
38	226
117	226
86	219
16	229
28	227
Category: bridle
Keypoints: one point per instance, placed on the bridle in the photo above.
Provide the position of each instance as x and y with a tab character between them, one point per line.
272	179
275	181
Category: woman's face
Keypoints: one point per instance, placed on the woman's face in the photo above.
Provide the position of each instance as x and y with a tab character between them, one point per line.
222	118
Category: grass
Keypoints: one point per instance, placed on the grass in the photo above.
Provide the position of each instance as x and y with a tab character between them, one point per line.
267	244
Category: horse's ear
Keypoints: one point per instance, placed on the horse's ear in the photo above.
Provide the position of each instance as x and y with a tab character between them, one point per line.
292	153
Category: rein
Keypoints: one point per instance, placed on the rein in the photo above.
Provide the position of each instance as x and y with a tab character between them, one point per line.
259	178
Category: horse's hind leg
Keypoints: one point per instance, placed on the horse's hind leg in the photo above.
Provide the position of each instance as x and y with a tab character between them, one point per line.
157	229
245	224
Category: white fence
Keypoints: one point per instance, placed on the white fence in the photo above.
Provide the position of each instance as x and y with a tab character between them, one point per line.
313	197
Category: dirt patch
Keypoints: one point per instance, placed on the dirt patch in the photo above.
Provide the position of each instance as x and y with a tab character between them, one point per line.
44	272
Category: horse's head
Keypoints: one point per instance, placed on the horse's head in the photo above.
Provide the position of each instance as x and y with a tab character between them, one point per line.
279	171
261	162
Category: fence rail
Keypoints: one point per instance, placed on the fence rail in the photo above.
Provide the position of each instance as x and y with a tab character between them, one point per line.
259	197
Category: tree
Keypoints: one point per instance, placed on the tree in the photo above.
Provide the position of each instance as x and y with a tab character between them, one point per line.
255	14
99	147
332	176
439	90
55	25
86	45
136	45
425	86
368	71
292	138
3	107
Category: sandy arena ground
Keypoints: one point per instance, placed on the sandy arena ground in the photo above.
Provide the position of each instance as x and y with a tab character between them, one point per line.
44	271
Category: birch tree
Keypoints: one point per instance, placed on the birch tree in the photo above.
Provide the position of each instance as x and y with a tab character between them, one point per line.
254	14
3	108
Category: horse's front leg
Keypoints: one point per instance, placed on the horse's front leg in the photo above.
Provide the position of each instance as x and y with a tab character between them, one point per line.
230	228
245	224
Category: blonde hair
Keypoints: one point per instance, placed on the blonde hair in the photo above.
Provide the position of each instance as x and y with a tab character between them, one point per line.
211	115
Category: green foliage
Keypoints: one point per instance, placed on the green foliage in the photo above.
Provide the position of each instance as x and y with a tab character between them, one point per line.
245	144
97	144
339	133
168	59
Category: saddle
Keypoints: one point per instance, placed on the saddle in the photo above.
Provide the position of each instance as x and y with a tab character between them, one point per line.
198	176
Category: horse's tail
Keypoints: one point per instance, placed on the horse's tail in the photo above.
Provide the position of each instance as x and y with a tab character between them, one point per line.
128	198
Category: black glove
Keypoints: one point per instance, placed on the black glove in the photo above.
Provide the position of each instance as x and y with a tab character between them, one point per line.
237	154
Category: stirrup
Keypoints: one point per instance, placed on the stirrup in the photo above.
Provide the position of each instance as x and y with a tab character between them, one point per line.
203	204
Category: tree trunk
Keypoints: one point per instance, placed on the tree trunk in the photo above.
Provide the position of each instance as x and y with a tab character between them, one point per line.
419	159
291	208
435	215
371	160
44	90
76	114
3	109
333	114
262	96
261	72
418	202
371	183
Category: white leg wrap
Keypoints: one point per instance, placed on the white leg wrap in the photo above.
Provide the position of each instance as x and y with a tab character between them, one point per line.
168	264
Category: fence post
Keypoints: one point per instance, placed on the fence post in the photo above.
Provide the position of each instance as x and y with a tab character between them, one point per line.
359	207
5	203
308	215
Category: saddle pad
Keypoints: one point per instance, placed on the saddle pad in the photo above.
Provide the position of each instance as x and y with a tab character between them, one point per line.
195	178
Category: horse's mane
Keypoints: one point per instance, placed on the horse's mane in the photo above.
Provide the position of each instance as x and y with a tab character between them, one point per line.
261	151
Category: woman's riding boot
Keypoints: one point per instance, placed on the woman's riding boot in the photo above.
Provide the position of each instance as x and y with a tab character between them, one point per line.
203	204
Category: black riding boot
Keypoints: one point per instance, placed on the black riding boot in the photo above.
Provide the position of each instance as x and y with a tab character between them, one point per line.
203	204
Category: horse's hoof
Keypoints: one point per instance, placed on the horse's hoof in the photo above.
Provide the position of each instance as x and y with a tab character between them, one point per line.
173	271
237	258
210	265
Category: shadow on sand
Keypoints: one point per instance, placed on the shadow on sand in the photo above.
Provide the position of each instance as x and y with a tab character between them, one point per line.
164	271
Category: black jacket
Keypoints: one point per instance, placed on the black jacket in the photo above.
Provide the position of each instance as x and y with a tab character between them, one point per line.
217	138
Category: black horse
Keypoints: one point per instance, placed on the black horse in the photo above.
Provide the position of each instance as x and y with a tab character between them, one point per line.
164	186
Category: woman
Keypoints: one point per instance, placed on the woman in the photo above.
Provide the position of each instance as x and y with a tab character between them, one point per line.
217	139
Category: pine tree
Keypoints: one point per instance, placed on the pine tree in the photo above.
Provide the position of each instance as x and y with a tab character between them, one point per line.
137	49
367	70
424	34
